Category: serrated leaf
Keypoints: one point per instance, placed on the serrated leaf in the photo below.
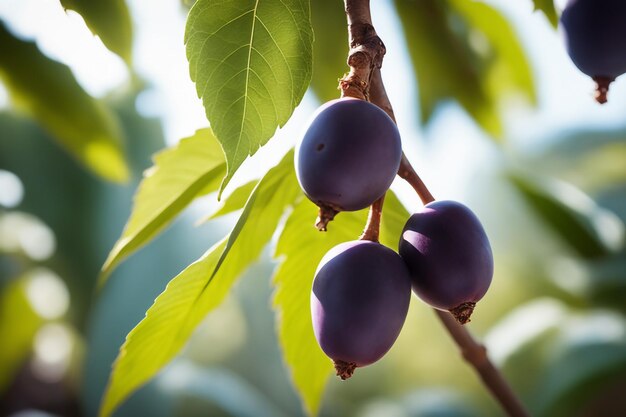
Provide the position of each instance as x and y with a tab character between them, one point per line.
47	91
302	247
466	51
235	201
200	287
330	49
192	168
548	9
251	62
110	20
589	230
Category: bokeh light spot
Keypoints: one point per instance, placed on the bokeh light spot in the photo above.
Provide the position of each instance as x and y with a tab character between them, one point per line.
11	188
52	348
47	294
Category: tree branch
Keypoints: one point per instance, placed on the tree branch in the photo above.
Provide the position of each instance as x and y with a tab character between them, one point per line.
366	51
364	81
476	354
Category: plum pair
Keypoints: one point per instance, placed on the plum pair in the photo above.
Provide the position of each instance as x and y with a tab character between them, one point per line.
361	290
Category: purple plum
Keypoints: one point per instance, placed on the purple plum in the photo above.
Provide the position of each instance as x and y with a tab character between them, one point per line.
359	302
349	155
449	257
595	39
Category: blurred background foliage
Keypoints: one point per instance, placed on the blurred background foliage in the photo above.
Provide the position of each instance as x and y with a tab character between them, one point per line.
553	320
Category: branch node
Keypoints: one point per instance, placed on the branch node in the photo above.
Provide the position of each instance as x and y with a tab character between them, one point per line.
477	356
602	88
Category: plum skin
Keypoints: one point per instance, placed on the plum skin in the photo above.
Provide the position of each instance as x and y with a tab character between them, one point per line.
349	155
448	255
595	36
359	301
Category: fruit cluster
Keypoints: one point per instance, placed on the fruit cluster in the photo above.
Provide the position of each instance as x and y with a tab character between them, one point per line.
346	160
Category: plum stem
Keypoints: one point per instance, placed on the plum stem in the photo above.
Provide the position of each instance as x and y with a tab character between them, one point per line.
372	227
407	173
325	215
602	88
365	82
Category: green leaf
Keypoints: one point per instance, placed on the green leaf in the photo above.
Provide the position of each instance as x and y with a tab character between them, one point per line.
230	392
192	168
587	362
560	360
593	159
605	282
589	230
16	334
235	201
466	51
597	282
506	67
330	50
200	288
547	7
47	91
251	62
110	20
302	247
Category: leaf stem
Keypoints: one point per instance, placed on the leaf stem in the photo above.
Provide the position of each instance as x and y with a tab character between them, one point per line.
365	81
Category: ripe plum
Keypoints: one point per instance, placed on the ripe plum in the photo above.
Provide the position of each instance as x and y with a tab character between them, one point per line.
349	155
595	39
359	302
449	257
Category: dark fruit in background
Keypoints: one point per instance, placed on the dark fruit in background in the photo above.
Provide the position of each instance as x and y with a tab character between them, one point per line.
359	302
595	38
449	257
349	155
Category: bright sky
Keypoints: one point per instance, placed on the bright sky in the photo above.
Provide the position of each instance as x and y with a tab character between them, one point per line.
565	95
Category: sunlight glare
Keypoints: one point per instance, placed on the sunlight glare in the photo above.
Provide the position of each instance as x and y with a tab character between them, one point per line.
522	326
4	97
65	37
26	233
